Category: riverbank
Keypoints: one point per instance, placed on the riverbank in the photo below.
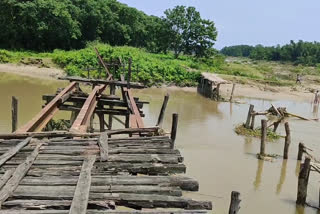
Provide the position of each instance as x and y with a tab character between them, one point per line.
250	89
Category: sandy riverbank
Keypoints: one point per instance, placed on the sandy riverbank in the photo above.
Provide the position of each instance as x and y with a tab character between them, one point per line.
300	93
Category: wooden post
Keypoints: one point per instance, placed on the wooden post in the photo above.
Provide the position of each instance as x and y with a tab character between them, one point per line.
287	141
301	150
232	91
263	137
127	121
234	203
14	113
218	92
249	116
112	89
163	110
174	129
275	126
129	73
253	117
303	182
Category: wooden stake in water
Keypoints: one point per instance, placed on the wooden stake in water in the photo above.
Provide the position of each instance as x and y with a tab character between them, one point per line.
163	110
301	150
234	203
14	112
174	129
263	137
303	182
249	116
232	91
287	141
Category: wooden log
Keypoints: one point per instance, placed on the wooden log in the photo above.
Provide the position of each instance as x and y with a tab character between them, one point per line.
232	91
129	73
276	125
183	182
5	177
9	154
303	182
18	174
112	89
234	203
14	113
301	151
81	196
287	141
108	82
163	110
174	129
247	124
103	144
252	121
133	130
263	137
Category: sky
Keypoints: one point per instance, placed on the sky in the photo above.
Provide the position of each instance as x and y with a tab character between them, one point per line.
252	22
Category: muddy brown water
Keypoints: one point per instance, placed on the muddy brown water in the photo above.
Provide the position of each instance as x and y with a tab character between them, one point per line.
218	158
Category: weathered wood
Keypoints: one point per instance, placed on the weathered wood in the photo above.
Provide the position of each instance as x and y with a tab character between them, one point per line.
287	141
249	116
263	137
46	114
276	110
81	196
232	91
253	116
163	110
18	174
276	125
303	182
132	131
129	73
103	145
46	134
301	151
183	182
174	128
5	177
108	82
14	113
9	154
234	203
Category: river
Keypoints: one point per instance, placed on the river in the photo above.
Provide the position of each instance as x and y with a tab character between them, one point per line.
214	154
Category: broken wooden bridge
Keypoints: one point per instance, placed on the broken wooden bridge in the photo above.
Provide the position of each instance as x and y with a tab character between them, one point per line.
82	170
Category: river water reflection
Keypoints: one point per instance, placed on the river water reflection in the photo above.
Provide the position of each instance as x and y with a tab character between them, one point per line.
218	158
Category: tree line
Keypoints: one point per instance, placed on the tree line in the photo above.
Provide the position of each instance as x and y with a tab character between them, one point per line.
45	25
301	52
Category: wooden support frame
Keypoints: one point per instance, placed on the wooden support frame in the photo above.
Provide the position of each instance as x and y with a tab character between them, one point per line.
46	114
82	121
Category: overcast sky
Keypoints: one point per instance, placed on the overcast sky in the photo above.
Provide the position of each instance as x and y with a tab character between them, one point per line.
267	22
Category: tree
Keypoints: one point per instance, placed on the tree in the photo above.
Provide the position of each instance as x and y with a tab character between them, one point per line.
189	33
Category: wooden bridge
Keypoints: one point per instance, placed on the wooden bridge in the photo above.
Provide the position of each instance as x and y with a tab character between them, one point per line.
82	170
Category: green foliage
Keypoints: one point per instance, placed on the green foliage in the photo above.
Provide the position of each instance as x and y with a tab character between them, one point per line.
189	33
304	53
241	130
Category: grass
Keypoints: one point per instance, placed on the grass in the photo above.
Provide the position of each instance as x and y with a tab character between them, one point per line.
158	69
241	130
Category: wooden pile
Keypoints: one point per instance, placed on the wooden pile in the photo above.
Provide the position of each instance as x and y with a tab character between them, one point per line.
94	175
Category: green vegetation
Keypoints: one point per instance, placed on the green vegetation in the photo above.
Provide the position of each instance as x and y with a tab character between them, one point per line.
45	25
304	53
241	130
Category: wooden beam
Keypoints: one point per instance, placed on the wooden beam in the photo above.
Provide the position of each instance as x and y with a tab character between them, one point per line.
82	121
46	134
9	154
103	64
108	82
18	174
103	145
81	196
6	176
45	115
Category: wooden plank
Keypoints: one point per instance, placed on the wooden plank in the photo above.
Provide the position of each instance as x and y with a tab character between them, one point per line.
136	112
103	145
45	115
83	119
108	82
5	177
46	134
9	154
81	196
103	64
18	174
